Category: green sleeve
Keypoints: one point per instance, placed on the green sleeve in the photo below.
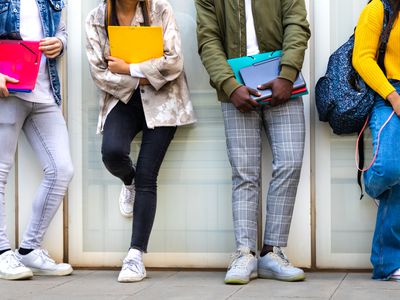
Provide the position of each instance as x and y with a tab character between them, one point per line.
295	37
211	50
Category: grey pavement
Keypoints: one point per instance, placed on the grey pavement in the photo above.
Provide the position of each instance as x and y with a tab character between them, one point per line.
198	285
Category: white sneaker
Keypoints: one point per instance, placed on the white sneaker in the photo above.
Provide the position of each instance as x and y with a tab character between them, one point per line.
11	268
395	276
242	268
127	199
132	267
275	265
41	263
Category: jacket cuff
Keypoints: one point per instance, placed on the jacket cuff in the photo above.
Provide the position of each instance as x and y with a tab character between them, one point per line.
288	73
230	85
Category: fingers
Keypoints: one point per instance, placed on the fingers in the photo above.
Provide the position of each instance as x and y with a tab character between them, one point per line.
51	47
266	86
10	79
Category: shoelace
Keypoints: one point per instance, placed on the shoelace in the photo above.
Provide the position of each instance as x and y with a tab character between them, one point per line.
44	255
128	194
240	260
13	261
135	265
282	258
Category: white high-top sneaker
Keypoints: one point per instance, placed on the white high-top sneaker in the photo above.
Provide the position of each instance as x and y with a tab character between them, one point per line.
11	268
127	199
132	268
41	263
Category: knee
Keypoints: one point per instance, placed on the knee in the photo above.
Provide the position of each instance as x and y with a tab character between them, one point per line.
381	177
111	153
288	169
61	172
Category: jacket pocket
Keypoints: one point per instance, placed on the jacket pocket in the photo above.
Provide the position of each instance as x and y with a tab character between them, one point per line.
57	5
4	8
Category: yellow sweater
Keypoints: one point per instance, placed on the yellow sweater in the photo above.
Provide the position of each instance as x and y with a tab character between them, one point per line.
368	33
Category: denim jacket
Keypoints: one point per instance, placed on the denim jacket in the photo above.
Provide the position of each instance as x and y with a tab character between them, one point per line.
50	17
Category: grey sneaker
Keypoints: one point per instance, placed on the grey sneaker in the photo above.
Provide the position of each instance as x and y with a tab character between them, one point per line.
242	267
275	265
127	199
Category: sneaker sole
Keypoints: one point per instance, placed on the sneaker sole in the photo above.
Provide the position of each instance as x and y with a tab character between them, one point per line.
271	275
19	276
238	280
130	279
41	272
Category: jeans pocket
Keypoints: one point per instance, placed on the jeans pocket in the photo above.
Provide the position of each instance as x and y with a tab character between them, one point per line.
8	111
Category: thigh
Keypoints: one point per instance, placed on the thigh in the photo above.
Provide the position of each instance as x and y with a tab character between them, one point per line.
13	112
46	131
285	128
123	123
243	138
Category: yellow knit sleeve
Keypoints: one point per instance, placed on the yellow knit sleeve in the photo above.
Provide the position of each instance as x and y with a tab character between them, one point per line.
367	36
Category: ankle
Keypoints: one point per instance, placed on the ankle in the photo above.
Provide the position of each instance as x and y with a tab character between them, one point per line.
24	251
4	251
266	249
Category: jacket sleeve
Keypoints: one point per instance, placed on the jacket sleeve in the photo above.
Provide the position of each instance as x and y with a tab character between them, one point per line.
169	67
211	49
118	85
296	33
62	35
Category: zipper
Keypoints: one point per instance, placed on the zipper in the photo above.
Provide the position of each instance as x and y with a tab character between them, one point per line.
240	29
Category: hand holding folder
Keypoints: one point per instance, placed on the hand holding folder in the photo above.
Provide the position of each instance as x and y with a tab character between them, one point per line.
20	60
135	44
265	71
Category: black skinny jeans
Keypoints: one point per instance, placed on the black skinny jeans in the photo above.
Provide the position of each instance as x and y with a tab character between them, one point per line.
123	123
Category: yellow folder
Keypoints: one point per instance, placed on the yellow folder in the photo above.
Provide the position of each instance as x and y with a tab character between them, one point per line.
135	44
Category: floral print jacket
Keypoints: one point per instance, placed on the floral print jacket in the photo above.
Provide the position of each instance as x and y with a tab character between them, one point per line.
166	100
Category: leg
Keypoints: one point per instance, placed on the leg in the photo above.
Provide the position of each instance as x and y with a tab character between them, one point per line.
13	112
46	131
285	127
123	123
154	146
382	181
243	139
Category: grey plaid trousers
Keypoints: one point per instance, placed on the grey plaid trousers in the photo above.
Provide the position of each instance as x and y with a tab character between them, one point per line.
285	129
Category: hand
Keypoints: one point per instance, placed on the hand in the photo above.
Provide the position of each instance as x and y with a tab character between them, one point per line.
117	65
51	47
394	99
144	81
3	81
281	90
242	100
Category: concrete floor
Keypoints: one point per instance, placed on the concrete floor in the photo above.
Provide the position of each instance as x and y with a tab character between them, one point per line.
198	285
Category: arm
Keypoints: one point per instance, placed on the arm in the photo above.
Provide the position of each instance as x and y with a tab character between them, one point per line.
118	85
295	37
53	47
367	36
169	67
211	50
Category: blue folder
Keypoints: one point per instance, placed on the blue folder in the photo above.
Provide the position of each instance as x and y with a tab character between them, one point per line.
246	61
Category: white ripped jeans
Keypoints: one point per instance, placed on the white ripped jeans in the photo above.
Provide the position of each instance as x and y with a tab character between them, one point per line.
46	131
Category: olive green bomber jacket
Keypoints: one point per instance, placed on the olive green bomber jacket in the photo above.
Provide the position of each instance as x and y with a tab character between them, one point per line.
221	34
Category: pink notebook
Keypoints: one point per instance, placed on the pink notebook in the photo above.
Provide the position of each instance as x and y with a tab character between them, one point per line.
20	60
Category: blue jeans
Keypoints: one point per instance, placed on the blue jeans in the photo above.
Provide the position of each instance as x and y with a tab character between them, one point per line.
46	131
382	181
